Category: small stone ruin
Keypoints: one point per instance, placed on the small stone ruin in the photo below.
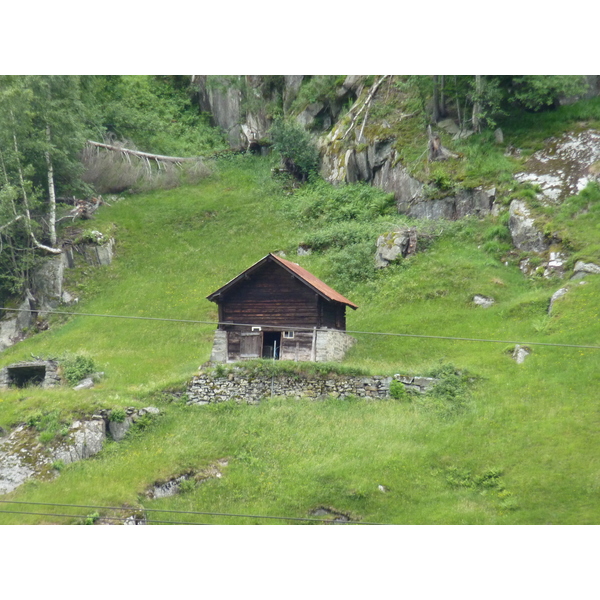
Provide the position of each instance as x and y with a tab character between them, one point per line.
22	374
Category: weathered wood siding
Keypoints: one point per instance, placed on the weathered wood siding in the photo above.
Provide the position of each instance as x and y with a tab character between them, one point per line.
299	348
333	315
272	296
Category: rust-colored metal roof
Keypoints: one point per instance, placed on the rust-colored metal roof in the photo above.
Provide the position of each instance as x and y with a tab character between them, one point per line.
314	282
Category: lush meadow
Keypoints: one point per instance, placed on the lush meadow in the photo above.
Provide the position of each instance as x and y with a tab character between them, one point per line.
503	443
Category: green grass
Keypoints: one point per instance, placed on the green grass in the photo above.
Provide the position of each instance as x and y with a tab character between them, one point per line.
533	426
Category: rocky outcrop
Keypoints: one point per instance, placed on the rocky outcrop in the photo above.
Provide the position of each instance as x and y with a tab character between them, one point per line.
525	235
22	456
99	254
47	284
85	438
565	166
243	105
377	164
470	202
223	102
12	329
395	244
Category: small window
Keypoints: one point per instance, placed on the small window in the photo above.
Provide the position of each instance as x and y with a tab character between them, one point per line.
288	334
257	329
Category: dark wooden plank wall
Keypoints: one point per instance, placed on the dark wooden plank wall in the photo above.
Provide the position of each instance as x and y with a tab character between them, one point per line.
272	296
333	315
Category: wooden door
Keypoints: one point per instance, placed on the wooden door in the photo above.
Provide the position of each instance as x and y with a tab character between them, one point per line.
251	344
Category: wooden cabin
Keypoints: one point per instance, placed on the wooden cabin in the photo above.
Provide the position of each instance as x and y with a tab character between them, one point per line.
276	309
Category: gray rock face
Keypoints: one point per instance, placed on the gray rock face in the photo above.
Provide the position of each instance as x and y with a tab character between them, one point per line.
225	107
9	333
563	168
308	116
84	440
394	245
525	235
100	255
292	87
396	180
477	202
47	282
14	464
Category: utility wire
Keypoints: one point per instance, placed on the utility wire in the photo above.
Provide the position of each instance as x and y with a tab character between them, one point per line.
288	328
180	512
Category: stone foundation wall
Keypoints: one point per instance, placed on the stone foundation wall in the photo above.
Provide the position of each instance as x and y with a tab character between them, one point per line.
332	345
238	385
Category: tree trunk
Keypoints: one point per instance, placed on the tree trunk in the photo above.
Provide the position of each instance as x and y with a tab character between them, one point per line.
26	203
51	191
477	105
437	113
444	113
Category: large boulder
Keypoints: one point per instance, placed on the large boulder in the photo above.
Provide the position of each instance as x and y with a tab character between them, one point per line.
47	282
395	244
525	235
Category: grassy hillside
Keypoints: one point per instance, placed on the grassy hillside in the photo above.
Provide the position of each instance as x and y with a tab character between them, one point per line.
520	446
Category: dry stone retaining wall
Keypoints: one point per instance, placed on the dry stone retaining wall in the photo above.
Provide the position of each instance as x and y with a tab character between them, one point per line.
238	385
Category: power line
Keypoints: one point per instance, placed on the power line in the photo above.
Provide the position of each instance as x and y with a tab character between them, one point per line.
288	328
161	510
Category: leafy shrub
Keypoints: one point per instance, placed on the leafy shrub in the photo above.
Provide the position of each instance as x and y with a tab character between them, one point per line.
397	390
318	88
77	368
351	264
536	92
187	485
118	415
48	424
91	518
323	202
296	148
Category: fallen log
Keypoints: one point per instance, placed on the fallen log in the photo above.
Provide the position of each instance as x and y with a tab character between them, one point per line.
145	155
